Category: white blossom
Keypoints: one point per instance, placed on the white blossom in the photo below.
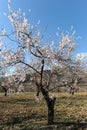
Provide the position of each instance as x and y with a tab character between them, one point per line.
25	23
38	22
38	33
4	31
29	10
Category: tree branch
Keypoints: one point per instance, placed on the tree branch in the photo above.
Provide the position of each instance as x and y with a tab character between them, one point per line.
42	68
30	67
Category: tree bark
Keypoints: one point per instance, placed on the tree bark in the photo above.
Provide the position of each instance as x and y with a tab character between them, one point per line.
5	93
51	103
72	90
5	90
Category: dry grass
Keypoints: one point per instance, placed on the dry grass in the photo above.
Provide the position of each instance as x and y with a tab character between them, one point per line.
23	112
71	108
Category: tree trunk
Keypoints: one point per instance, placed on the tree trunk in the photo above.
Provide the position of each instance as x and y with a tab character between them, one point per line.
72	91
5	90
51	103
5	93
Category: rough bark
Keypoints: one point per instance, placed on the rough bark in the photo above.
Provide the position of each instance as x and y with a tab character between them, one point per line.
72	90
5	93
51	103
5	90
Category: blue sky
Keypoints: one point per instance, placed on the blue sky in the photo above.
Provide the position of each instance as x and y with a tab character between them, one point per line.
54	13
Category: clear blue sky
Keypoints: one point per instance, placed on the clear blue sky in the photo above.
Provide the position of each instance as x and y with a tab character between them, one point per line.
54	13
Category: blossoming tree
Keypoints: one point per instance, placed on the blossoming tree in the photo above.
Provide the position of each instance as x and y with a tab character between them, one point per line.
28	48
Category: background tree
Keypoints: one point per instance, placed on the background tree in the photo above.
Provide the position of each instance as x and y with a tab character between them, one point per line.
75	74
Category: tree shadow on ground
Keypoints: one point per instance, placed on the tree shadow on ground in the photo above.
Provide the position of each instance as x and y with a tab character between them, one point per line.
64	126
70	126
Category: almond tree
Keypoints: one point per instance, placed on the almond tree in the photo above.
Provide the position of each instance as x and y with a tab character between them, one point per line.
75	74
28	48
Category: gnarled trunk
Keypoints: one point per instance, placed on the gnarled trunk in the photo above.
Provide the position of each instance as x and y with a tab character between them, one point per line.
49	101
50	104
5	90
5	93
72	90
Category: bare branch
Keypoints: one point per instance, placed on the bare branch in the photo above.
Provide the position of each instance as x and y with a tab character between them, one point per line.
30	67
